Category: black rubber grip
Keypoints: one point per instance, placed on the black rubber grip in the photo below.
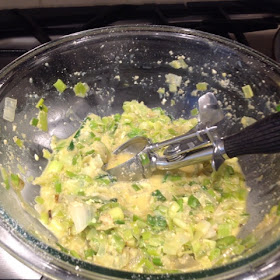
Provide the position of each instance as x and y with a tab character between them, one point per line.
262	137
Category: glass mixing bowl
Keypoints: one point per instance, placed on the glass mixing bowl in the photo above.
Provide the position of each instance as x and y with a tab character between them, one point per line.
125	63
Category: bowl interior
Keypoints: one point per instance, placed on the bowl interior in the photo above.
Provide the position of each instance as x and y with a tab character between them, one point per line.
127	63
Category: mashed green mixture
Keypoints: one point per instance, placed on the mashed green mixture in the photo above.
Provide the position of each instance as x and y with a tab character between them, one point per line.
175	221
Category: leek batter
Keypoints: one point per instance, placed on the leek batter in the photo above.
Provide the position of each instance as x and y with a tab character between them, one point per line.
177	221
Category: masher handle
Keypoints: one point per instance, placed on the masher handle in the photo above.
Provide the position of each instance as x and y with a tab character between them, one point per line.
262	137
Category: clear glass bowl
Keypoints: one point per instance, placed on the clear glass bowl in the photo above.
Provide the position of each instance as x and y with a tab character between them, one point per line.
110	60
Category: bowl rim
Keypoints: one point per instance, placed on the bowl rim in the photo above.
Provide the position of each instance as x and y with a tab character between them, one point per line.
65	263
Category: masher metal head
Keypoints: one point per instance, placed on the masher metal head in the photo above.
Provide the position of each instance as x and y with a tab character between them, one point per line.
190	148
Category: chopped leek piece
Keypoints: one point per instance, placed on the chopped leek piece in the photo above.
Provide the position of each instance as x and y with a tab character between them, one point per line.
201	86
57	187
46	154
74	254
144	159
34	122
39	200
156	222
278	210
5	177
43	121
173	79
135	132
193	202
89	253
157	261
119	243
225	241
81	89
172	88
60	86
158	195
17	182
71	146
18	141
229	170
116	213
136	187
175	177
54	166
194	112
248	92
40	103
161	90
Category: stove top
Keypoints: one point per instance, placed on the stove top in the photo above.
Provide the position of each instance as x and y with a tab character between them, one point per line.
249	22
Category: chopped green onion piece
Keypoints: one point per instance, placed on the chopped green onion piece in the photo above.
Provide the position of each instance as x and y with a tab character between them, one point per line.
44	108
172	131
135	131
144	159
201	86
136	187
43	121
278	210
248	92
39	200
119	243
16	182
63	249
278	108
57	187
159	196
180	202
161	90
106	179
5	178
229	170
172	88
74	254
206	182
175	178
193	202
81	193
165	177
89	253
156	222
40	103
60	86
75	160
34	122
225	241
157	261
119	222
91	152
81	89
194	112
224	230
116	213
70	174
71	146
77	134
18	141
204	188
46	154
